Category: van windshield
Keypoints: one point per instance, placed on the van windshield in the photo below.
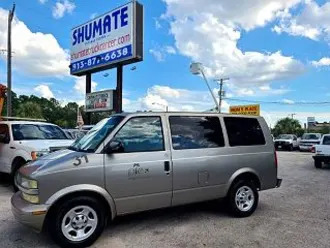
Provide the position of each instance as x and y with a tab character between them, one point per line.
96	135
311	136
285	136
37	132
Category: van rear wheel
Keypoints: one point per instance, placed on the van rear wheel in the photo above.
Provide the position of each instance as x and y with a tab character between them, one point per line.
243	198
78	222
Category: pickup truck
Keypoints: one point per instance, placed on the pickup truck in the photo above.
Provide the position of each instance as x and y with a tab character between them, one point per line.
322	152
309	140
286	141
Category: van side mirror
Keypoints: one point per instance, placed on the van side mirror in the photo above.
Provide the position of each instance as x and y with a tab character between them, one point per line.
114	147
4	138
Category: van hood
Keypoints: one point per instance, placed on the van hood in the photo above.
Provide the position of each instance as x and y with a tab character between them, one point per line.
285	140
51	162
310	140
46	145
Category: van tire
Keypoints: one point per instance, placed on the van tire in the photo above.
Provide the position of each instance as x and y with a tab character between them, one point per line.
76	206
247	190
318	164
18	163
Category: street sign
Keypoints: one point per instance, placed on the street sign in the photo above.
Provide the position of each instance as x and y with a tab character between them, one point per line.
245	110
99	101
108	40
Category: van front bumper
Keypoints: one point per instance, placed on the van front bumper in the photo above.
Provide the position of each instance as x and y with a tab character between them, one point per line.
32	215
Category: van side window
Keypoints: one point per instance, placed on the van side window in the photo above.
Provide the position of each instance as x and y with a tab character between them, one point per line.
244	131
196	132
141	134
4	132
326	140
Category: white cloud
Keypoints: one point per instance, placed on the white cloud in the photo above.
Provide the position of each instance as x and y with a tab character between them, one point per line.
158	97
92	16
80	85
247	14
288	101
322	62
36	54
157	24
43	1
208	32
44	91
160	53
159	56
63	7
170	50
312	22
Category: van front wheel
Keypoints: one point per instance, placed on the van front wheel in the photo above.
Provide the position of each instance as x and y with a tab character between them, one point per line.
78	222
243	198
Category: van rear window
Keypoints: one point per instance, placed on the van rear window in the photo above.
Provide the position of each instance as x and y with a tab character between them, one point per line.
244	131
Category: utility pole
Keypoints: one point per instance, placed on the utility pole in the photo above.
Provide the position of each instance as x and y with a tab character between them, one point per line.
88	90
221	92
9	87
292	115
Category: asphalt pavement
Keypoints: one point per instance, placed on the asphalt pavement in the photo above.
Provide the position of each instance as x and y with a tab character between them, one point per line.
295	215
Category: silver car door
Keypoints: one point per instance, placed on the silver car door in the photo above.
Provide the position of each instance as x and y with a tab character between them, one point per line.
139	175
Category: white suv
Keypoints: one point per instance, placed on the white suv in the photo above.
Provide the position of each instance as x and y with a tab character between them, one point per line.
23	141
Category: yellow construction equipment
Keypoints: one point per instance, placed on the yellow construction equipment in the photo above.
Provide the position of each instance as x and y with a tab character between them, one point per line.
3	90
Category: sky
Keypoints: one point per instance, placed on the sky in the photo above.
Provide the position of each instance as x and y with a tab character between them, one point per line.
274	51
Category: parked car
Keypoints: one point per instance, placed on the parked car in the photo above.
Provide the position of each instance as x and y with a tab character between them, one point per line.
23	141
309	140
134	162
322	152
286	141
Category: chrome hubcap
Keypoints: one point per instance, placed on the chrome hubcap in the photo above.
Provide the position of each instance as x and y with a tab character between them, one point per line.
244	198
79	223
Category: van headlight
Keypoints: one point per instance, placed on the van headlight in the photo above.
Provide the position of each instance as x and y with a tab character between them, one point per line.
30	198
29	183
29	188
37	154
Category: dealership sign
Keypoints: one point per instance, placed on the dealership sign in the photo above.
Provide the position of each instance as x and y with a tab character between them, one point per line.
104	42
99	101
245	110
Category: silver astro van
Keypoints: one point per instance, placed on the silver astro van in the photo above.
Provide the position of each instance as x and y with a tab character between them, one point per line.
140	161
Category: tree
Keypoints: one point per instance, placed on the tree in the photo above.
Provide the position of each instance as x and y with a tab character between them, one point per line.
30	110
288	126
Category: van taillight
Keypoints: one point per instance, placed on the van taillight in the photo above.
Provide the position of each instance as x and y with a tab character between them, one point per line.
275	156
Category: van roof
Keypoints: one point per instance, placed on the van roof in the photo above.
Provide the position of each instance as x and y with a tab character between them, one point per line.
185	113
26	122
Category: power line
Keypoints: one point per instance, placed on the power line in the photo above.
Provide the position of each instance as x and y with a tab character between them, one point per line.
279	102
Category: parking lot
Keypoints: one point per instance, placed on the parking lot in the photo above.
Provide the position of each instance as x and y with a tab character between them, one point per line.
295	215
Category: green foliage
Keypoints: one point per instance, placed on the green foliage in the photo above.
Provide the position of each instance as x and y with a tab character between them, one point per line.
29	110
288	126
50	110
325	130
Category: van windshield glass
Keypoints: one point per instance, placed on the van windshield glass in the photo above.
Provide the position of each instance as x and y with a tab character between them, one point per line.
311	136
96	135
37	132
285	136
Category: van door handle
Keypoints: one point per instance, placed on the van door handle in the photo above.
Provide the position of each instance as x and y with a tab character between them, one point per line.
167	168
